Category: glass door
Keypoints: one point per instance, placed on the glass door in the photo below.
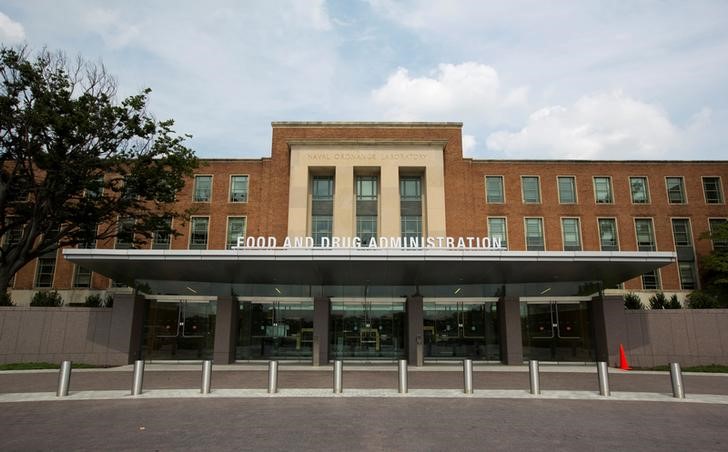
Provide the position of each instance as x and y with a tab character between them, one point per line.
179	330
557	331
275	329
367	329
461	330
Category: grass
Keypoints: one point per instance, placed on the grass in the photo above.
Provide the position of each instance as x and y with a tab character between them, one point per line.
36	366
713	368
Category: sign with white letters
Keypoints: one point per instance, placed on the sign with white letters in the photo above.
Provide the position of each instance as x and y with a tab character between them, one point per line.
488	243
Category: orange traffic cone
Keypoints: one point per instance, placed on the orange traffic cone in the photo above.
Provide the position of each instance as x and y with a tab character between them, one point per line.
623	359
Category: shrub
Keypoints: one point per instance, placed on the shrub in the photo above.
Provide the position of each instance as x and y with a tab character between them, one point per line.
658	301
702	300
97	301
5	300
109	301
673	303
632	301
47	299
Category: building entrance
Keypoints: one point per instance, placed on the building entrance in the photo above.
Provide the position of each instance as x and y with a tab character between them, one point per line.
179	330
557	330
367	329
274	329
463	329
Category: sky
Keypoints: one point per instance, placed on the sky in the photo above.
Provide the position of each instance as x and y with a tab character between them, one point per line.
543	79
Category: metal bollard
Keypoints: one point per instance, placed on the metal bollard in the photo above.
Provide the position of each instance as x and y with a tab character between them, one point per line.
64	379
402	376
272	377
533	377
138	379
338	376
468	376
678	390
206	376
603	377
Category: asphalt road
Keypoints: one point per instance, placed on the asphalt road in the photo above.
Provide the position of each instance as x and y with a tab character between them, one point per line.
363	424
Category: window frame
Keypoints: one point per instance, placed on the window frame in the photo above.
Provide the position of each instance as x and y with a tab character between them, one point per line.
525	232
578	232
227	229
75	284
402	179
116	238
502	186
693	269
689	232
171	237
558	189
616	233
358	179
652	229
658	278
327	177
720	190
538	189
247	188
194	188
611	189
710	230
207	232
38	268
314	235
684	190
648	200
505	227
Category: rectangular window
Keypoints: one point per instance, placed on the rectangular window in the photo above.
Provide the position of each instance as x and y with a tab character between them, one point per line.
497	230
235	228
534	234
88	236
567	189
713	190
608	234
45	270
81	277
321	226
198	233
410	188
125	234
687	275
323	188
366	188
162	238
651	280
238	188
681	232
715	223
571	234
645	234
494	189
203	189
14	235
675	190
366	228
531	190
638	187
411	226
603	190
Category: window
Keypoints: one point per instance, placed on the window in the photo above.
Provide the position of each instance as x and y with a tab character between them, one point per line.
45	270
651	280
603	190
567	189
534	234
411	226
712	190
366	188
645	234
88	236
125	234
235	228
608	234
13	235
687	275
638	187
95	188
494	189
715	223
321	226
198	233
238	188
675	190
410	188
162	238
366	228
323	188
681	232
497	230
82	277
571	235
203	189
531	190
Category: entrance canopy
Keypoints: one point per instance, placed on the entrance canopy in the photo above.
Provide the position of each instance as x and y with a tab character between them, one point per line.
357	266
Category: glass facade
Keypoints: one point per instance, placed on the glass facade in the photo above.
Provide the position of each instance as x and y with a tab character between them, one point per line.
557	330
274	329
460	330
179	330
367	329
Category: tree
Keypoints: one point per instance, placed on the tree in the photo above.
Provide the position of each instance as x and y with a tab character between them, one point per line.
75	161
632	301
658	301
715	265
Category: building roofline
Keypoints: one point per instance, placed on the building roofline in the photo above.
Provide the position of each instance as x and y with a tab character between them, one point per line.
378	124
599	162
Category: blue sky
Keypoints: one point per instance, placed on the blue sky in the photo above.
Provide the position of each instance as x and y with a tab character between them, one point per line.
529	79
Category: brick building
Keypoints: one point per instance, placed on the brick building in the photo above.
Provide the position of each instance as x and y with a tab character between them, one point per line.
573	235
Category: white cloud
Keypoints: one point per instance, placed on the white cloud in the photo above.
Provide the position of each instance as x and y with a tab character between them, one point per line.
601	126
10	31
469	143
